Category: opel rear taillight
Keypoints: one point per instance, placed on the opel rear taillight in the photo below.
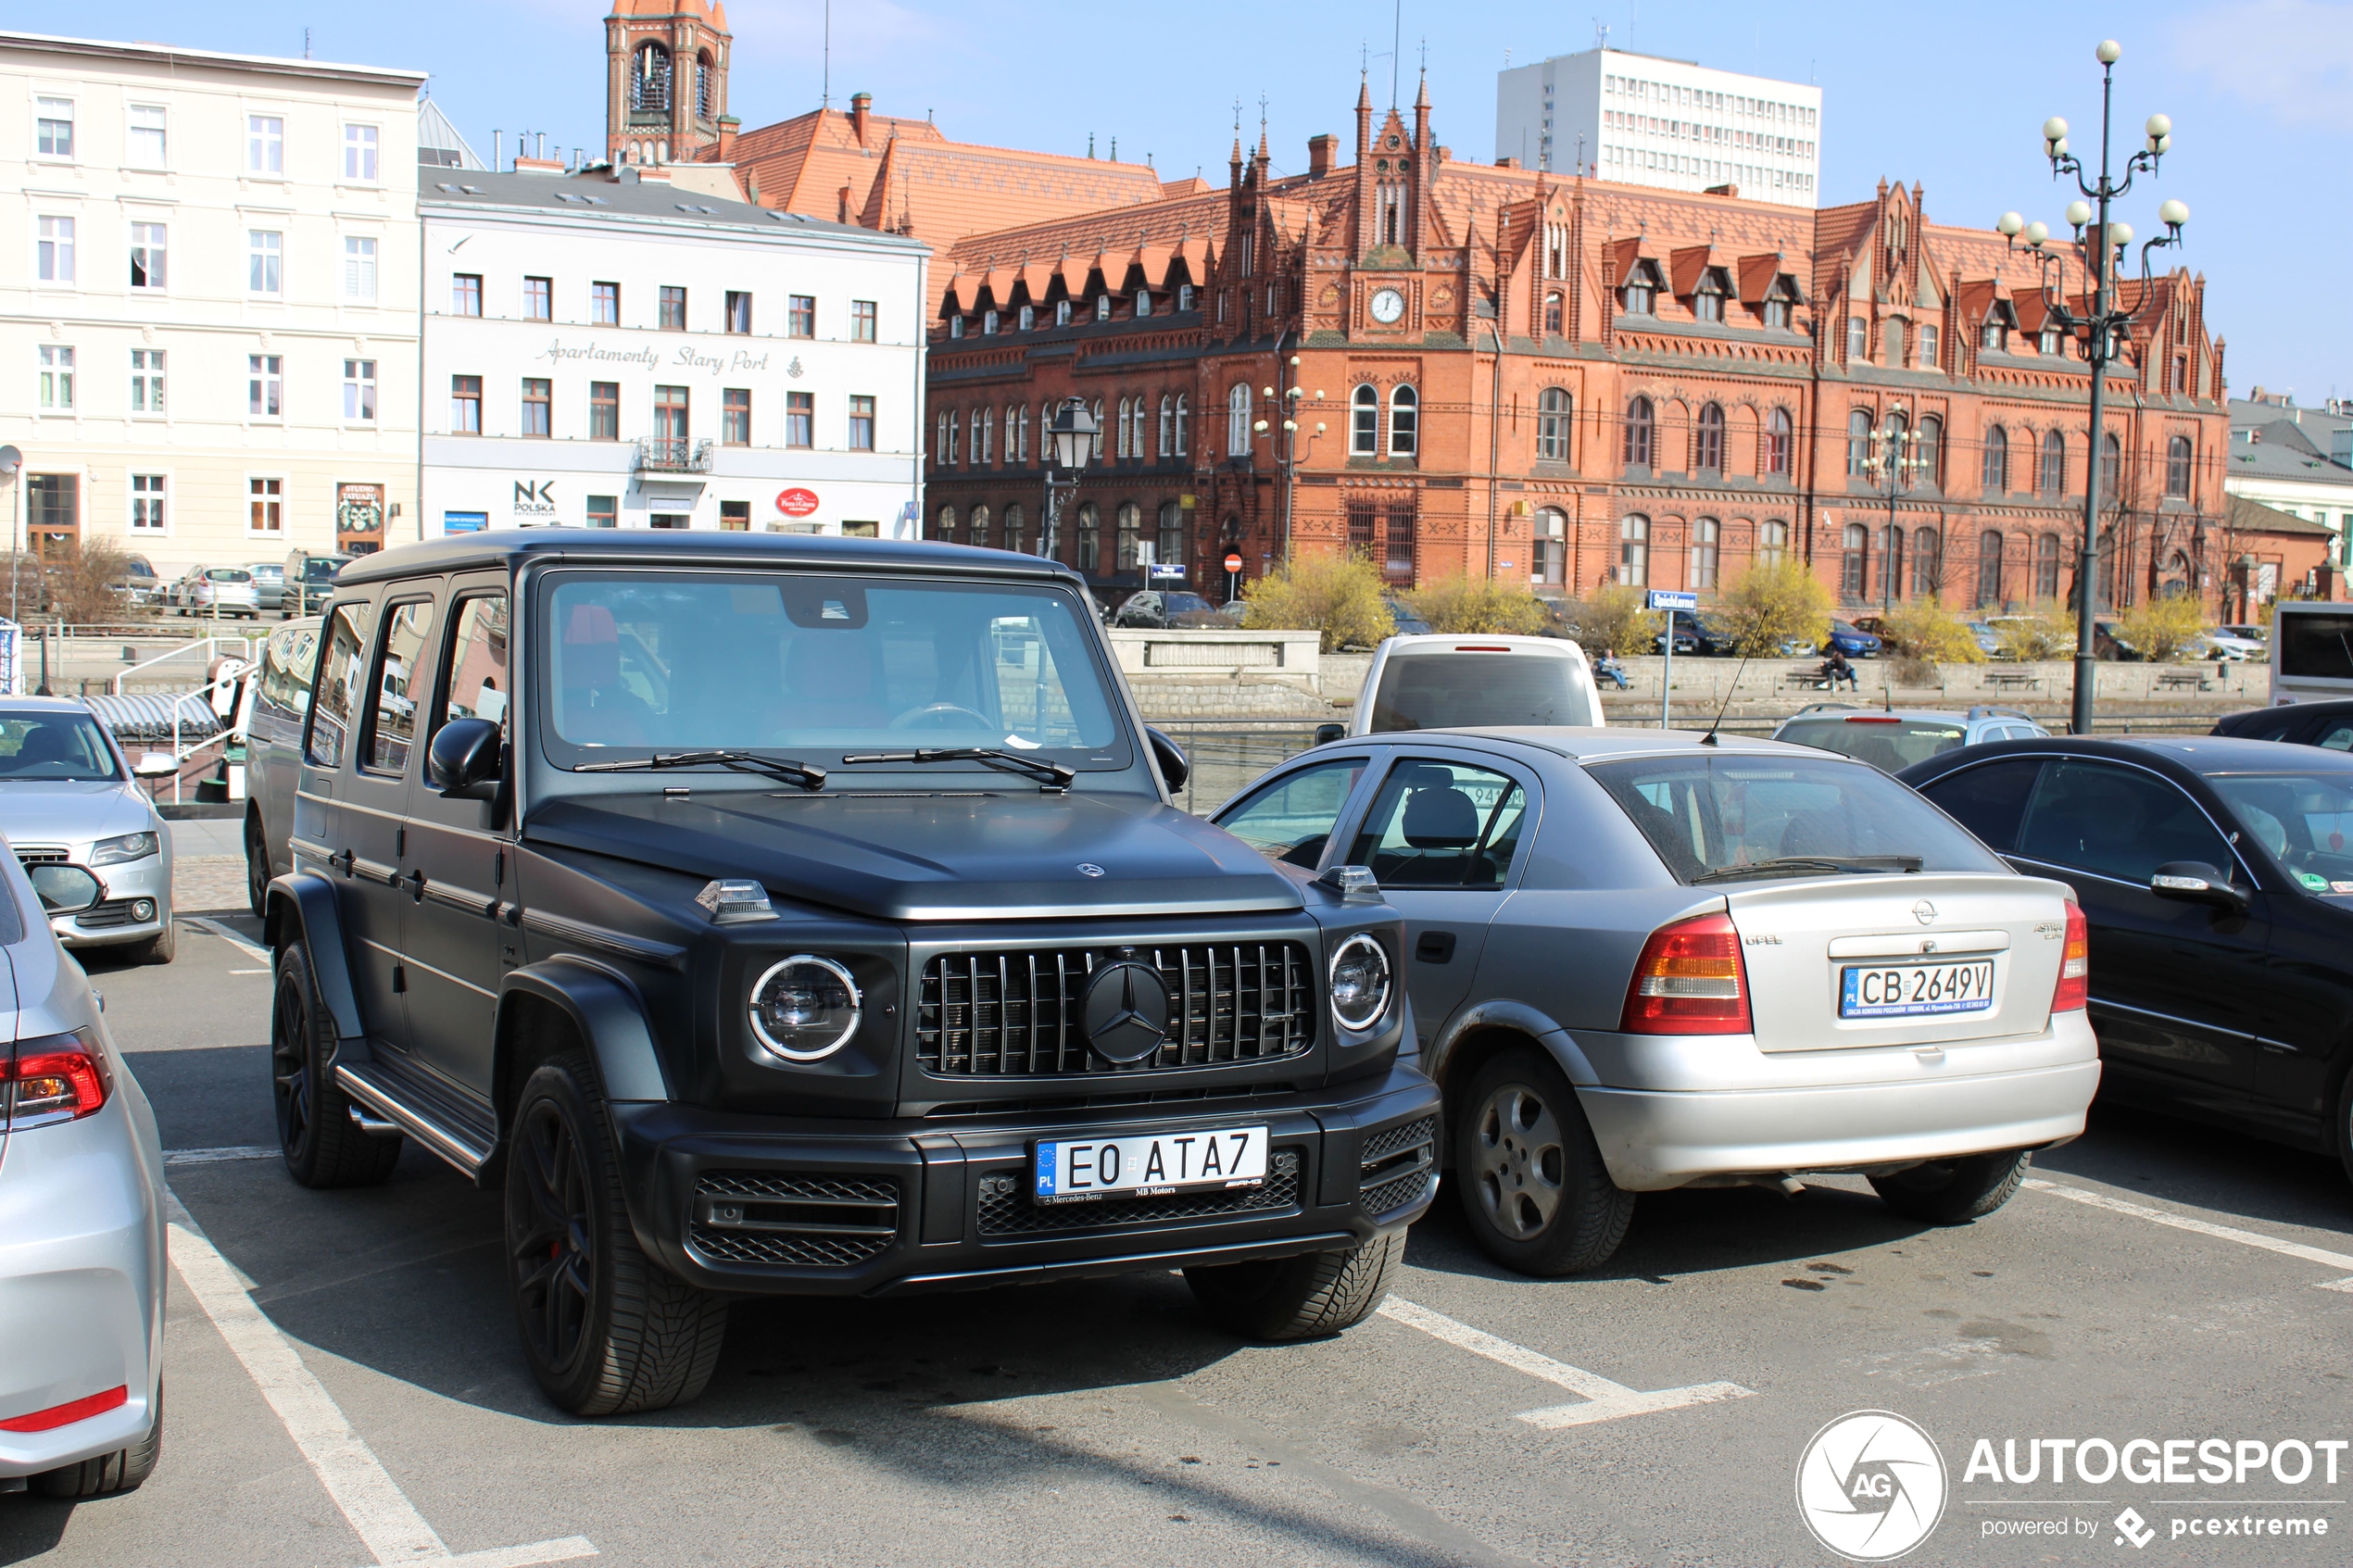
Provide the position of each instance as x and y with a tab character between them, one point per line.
54	1078
1690	980
2074	988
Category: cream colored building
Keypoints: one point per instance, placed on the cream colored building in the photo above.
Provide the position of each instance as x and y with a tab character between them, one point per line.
208	299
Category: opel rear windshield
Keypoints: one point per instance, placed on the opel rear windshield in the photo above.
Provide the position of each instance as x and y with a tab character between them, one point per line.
813	667
1736	818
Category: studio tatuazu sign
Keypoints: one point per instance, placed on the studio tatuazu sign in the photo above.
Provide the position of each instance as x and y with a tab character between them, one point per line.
685	356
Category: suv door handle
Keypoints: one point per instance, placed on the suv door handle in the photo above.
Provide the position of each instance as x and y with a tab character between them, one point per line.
416	885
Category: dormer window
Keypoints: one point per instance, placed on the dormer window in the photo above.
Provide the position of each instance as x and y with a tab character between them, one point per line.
1143	302
1993	337
1184	297
1028	317
2049	341
955	326
1102	307
1638	294
1062	313
1707	301
989	323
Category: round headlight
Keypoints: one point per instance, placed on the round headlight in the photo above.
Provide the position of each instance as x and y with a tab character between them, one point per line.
1359	983
804	1008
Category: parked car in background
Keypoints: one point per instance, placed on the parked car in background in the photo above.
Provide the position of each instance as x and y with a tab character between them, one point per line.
2246	632
84	828
269	586
1639	962
309	584
1160	609
273	703
1408	620
1429	682
1989	641
1686	639
2217	876
1851	640
82	1253
139	584
2325	725
1892	739
1699	634
224	591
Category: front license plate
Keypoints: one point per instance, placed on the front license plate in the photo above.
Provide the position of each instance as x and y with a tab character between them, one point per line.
1908	990
1150	1165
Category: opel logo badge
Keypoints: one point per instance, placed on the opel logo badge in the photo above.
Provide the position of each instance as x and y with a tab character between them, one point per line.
1124	1012
1088	868
1924	911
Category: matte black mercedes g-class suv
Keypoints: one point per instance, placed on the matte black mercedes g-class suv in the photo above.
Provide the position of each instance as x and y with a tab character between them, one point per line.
802	915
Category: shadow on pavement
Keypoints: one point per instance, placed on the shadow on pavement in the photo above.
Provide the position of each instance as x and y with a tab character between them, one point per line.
2206	1167
33	1526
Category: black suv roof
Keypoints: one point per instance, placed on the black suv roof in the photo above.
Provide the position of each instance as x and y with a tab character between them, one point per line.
513	546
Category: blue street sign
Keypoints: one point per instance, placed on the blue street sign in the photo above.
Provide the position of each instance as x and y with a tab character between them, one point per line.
1167	572
1671	598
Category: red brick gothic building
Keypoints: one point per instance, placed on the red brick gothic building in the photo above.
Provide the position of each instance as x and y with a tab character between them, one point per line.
1564	380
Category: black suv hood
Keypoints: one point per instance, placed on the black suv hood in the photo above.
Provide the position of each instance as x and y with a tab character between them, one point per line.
934	858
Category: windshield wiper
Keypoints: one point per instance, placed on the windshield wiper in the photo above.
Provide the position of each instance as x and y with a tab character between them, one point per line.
1054	773
780	768
1799	865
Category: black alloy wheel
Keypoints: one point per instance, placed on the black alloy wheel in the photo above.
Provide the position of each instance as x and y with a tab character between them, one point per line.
551	1244
290	1066
324	1148
257	869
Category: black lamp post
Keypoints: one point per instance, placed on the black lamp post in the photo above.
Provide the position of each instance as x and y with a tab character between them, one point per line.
2105	329
1895	461
1070	441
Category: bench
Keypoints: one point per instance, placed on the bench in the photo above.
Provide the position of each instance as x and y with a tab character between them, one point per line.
2184	680
2012	680
1806	679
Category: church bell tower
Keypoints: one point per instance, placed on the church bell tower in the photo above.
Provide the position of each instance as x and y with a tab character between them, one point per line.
666	78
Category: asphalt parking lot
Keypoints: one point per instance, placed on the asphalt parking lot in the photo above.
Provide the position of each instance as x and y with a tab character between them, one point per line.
343	1386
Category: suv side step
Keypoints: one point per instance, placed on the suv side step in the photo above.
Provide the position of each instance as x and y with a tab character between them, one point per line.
437	1117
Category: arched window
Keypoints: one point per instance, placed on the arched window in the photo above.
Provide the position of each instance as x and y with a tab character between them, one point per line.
955	326
1776	445
1184	417
1237	419
2052	480
2178	453
1123	429
1548	560
1143	303
1551	425
1707	442
1854	578
1091	537
1404	422
1706	533
1016	435
1095	448
1995	478
1930	451
1551	314
1928	564
1028	317
1131	528
955	429
1168	447
706	84
945	528
980	525
1772	543
2046	567
1634	551
1102	307
2112	466
1062	313
1858	444
1013	527
1363	422
1890	563
1989	568
1641	428
979	437
1995	336
1892	341
1170	550
939	449
650	78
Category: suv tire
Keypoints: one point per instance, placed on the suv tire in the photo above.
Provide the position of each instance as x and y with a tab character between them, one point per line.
1533	1184
257	868
121	1470
1303	1297
322	1146
1954	1192
606	1330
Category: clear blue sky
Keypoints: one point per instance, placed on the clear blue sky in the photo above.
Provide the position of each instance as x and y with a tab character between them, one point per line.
2261	92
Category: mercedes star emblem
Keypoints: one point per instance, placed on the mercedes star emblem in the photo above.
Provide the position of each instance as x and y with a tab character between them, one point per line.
1088	868
1124	1012
1924	911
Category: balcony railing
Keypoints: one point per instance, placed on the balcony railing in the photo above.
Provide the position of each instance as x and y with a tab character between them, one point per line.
665	455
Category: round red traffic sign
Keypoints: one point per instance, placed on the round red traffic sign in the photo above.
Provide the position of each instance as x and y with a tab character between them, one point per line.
1233	562
796	502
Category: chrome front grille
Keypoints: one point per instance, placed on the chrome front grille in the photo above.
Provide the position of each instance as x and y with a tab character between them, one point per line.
1017	1014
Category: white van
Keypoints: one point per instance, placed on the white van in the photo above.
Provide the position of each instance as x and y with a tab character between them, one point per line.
1431	682
2311	650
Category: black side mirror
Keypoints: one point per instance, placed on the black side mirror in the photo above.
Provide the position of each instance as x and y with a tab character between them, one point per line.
2195	882
466	760
1174	769
1326	734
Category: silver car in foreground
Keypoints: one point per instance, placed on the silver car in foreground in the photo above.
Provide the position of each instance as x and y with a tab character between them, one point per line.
1643	960
85	830
81	1236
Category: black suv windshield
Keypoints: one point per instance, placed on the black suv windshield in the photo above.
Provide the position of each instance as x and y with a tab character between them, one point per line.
813	667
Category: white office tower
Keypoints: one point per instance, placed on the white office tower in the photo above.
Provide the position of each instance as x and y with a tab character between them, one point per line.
1674	124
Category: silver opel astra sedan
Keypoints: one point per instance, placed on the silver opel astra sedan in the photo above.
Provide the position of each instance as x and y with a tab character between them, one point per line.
1644	959
81	1227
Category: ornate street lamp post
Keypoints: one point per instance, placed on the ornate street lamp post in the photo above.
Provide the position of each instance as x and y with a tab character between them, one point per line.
2105	329
1896	462
1069	440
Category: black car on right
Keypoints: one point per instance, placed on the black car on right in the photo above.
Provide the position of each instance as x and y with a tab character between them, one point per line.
2328	726
2216	874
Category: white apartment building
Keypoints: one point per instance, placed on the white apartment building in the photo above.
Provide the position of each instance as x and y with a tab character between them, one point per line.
1677	125
208	312
613	351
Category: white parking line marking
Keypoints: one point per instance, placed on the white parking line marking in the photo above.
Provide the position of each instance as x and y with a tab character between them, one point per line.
2222	1233
1605	1400
248	971
382	1516
214	928
214	1156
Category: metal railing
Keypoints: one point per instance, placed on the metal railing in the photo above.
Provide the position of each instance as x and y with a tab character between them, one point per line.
661	454
211	649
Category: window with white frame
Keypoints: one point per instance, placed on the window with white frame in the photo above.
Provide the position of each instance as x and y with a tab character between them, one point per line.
147	255
147	148
1237	419
1028	317
360	390
266	499
1143	302
146	381
265	385
1363	422
147	503
360	268
263	249
360	154
53	127
54	250
56	378
1062	313
1184	297
1404	422
265	144
1168	447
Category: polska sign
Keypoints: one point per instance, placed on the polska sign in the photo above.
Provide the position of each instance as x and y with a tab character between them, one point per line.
796	502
